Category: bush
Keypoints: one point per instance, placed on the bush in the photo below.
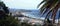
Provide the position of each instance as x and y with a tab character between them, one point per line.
9	21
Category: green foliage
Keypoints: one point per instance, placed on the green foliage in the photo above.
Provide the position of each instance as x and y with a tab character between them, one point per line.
5	19
9	21
4	7
25	24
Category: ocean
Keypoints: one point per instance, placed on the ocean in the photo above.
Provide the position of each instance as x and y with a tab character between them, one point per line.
37	14
32	13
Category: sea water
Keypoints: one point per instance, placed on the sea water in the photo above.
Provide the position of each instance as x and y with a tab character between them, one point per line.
37	14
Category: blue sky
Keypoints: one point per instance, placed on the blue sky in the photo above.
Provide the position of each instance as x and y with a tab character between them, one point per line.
22	4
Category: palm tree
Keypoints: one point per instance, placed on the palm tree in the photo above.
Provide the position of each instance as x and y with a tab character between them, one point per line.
50	7
59	19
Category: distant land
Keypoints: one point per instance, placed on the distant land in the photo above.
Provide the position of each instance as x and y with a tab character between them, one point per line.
33	13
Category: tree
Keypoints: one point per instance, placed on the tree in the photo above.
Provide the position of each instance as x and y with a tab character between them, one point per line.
5	19
4	7
50	7
9	21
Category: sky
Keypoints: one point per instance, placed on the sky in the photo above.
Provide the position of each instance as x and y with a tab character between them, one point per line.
22	4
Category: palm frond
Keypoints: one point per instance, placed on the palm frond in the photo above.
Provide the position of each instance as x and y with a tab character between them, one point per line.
54	14
50	7
55	10
43	7
46	5
42	3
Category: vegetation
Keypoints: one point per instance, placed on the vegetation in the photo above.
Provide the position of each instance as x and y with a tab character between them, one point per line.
5	19
9	21
4	7
50	7
25	24
29	24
